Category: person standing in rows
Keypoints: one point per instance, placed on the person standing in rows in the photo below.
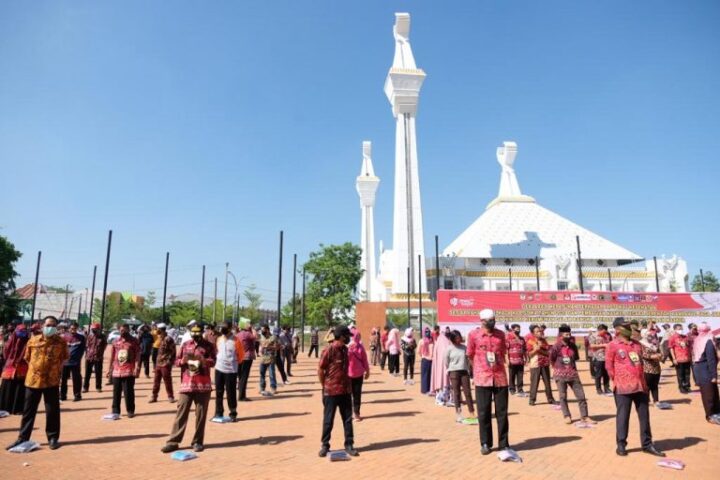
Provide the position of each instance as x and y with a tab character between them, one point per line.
538	351
279	356
517	355
155	332
45	355
124	369
195	360
651	362
12	388
230	353
295	346
563	356
374	348
286	351
333	376
166	356
314	342
383	347
408	346
146	343
680	353
247	337
705	363
486	350
426	355
268	350
94	354
459	372
358	369
692	335
393	348
598	342
623	360
76	349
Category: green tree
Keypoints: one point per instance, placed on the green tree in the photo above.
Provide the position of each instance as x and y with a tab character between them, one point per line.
180	313
150	298
9	302
286	317
254	302
331	293
710	281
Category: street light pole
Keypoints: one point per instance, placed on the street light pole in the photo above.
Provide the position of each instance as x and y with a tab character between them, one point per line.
227	265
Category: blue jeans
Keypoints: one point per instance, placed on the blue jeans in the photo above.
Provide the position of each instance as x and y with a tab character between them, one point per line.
271	369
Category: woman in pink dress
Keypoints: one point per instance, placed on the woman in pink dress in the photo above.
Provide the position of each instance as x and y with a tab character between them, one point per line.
358	369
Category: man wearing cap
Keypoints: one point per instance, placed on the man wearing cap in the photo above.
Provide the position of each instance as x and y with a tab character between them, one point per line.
680	353
563	356
333	376
486	350
124	368
164	362
187	336
623	361
94	353
517	355
195	360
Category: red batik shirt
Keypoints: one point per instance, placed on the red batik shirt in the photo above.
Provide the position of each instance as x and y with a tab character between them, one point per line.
680	345
563	358
125	357
515	349
487	352
196	379
623	361
540	358
334	363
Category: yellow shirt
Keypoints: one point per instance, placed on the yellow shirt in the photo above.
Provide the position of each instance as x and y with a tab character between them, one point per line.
45	358
156	338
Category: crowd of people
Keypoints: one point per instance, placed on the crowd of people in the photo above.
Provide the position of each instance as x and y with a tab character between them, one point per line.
44	359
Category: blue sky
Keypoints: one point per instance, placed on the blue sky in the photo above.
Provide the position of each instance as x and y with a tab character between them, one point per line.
203	128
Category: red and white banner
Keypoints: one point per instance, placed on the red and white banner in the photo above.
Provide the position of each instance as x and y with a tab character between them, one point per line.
461	308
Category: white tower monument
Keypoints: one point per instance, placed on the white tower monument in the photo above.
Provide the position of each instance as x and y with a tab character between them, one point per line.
402	87
367	184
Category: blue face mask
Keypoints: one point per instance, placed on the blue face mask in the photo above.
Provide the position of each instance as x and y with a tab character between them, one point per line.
49	331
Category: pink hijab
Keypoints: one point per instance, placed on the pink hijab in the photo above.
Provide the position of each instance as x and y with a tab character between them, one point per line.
438	374
700	342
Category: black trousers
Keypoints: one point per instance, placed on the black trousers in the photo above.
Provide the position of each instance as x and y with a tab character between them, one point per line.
516	377
394	363
154	357
683	376
280	367
145	360
288	357
485	397
408	364
67	371
624	404
383	359
602	379
535	375
243	376
653	383
356	384
313	348
225	383
91	367
330	404
710	398
123	386
52	412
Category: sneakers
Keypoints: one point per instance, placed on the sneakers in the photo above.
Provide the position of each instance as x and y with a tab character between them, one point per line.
265	393
459	418
169	447
323	451
286	382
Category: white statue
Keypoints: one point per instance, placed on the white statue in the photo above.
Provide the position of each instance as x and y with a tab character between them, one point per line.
562	262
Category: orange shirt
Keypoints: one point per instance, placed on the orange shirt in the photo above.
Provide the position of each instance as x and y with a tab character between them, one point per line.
45	358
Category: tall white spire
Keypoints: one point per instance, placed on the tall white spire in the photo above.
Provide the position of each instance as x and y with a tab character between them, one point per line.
402	87
509	187
367	184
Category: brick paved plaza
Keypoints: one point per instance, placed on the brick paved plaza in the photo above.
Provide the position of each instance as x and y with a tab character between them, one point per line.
404	435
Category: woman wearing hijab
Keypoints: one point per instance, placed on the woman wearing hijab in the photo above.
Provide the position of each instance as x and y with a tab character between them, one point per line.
705	362
12	388
426	356
393	348
438	373
651	364
408	346
358	369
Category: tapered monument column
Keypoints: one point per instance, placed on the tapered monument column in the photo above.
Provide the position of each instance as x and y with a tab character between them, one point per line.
402	87
367	184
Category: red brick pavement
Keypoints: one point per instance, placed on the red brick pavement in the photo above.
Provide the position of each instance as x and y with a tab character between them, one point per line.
404	435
